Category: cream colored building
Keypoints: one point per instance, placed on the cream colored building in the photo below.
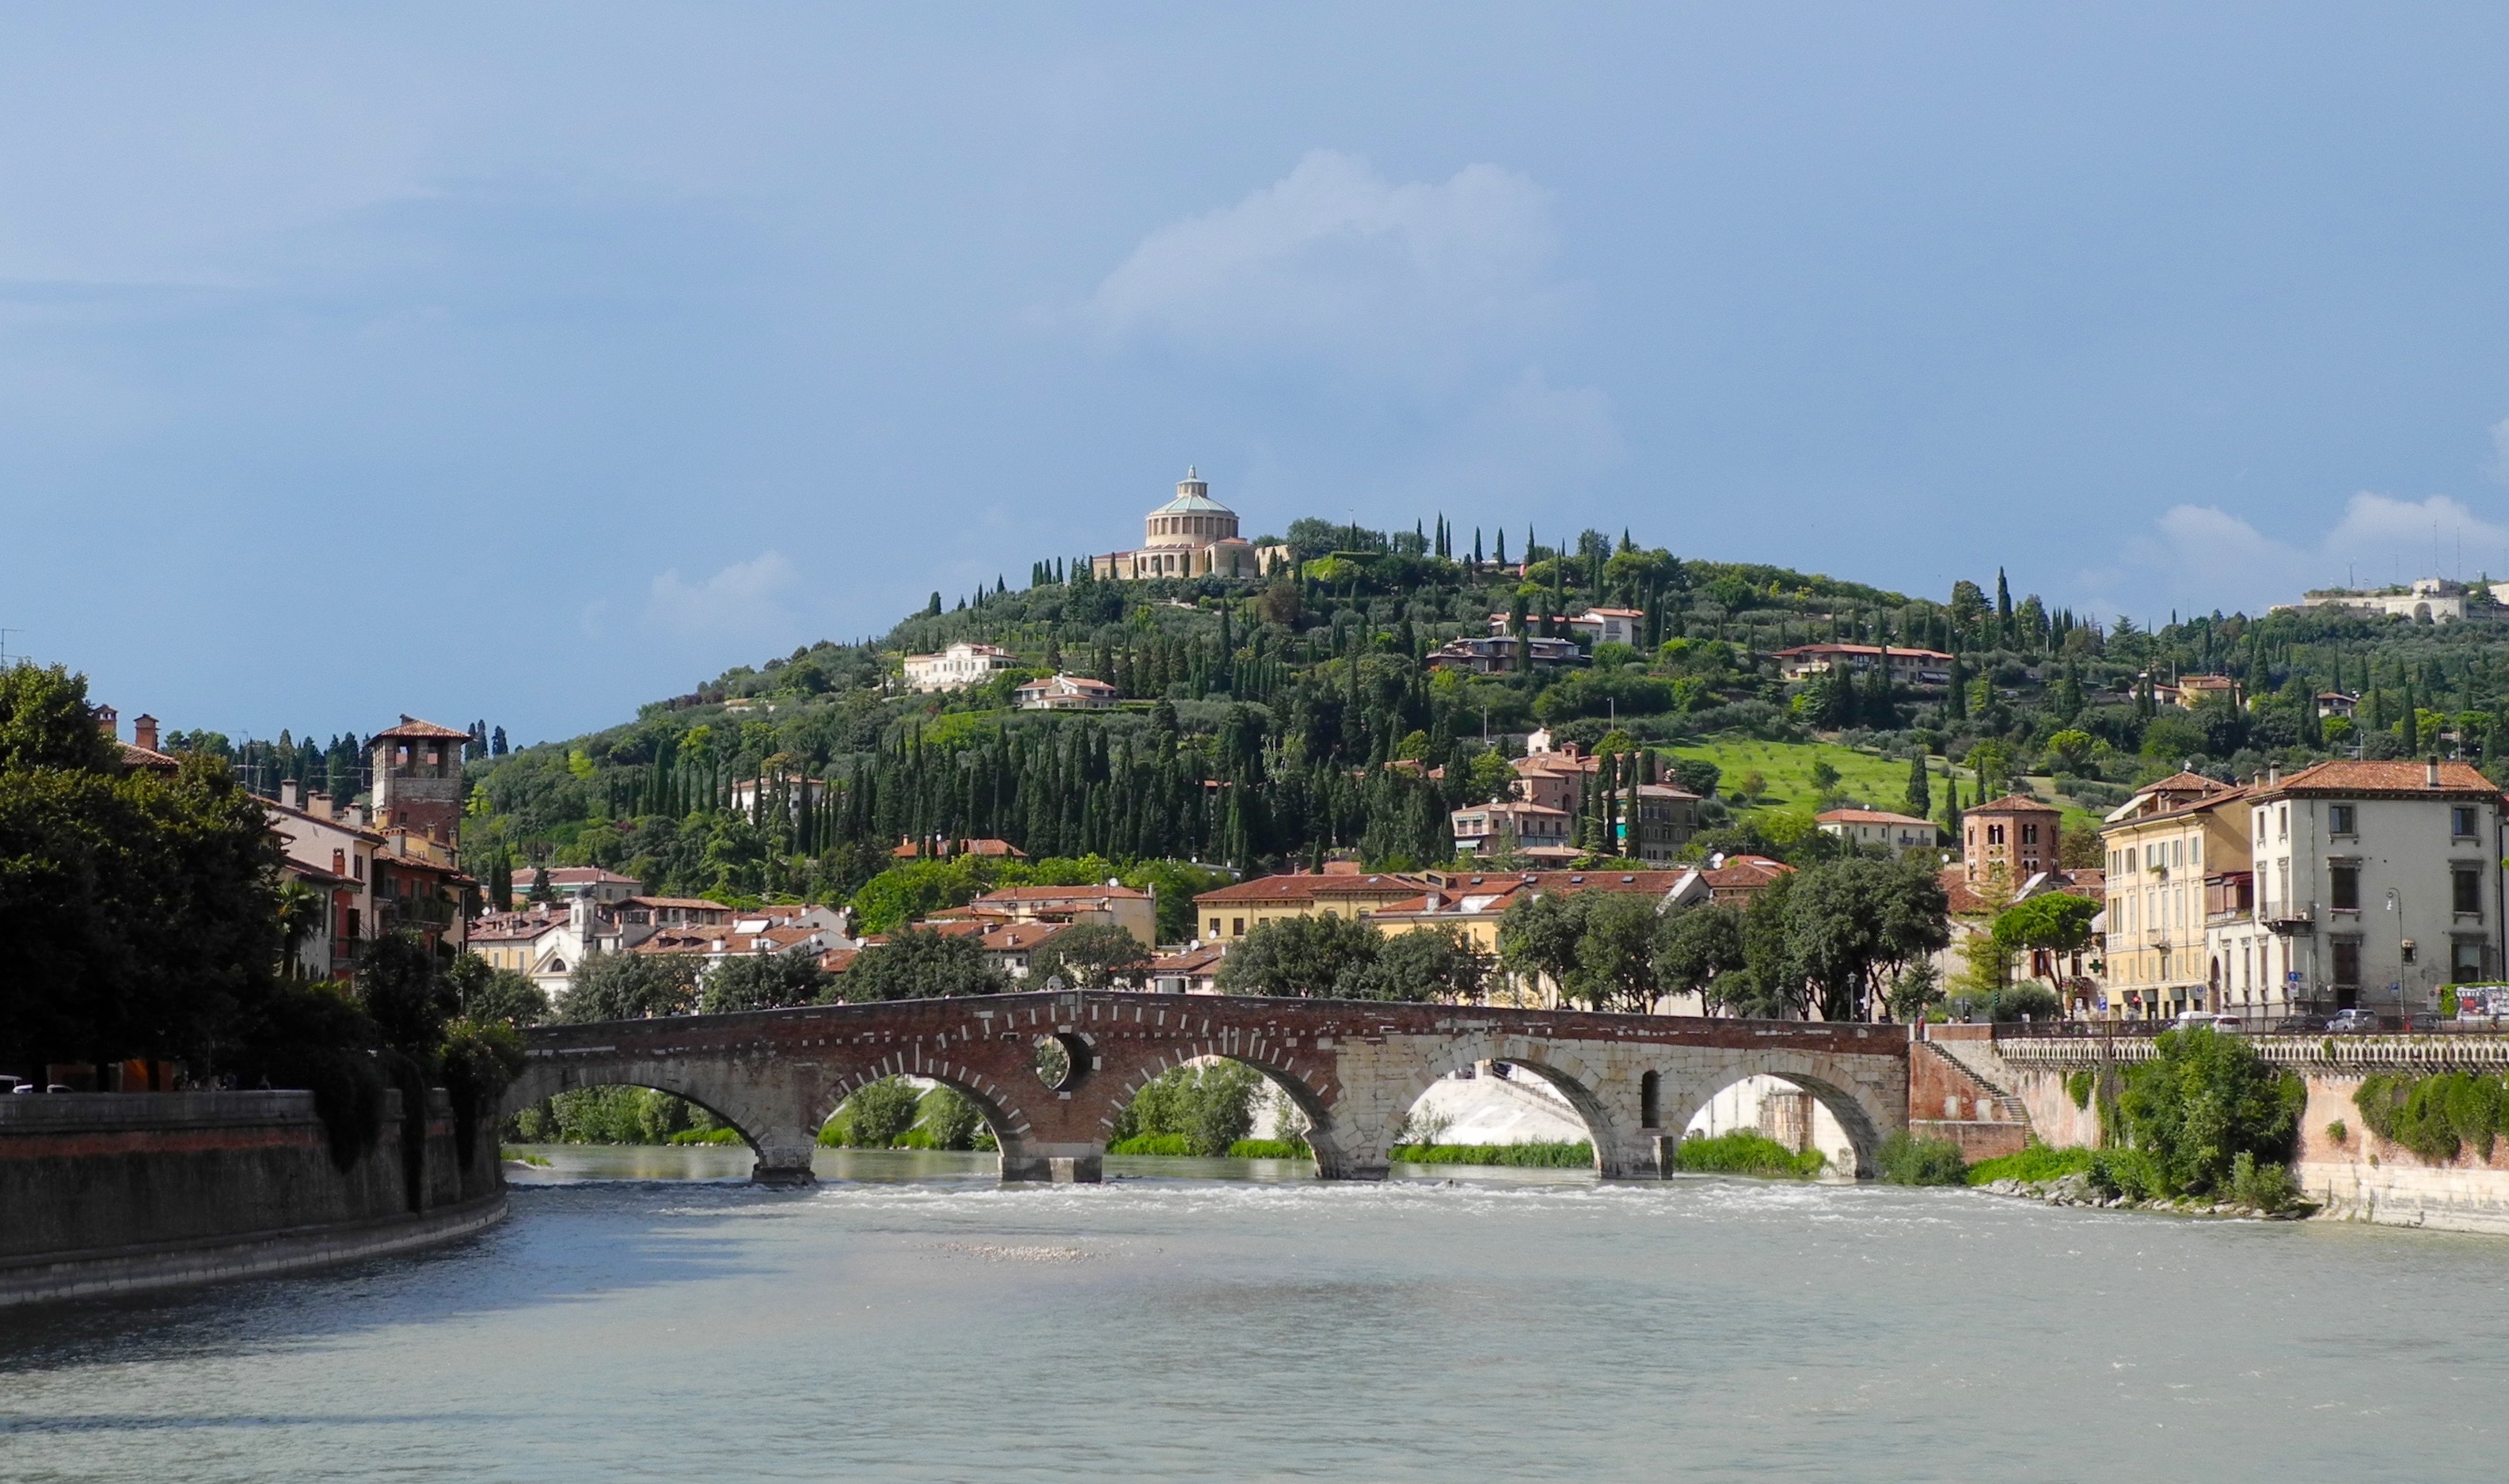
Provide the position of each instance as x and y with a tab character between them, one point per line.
2379	883
1898	833
960	665
2164	845
1192	535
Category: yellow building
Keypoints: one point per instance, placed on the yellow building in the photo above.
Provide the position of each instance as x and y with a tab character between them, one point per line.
1232	911
2162	845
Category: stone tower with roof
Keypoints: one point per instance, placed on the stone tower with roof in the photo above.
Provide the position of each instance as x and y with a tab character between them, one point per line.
418	778
1192	535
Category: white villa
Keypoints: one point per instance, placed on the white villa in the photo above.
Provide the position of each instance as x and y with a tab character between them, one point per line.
962	664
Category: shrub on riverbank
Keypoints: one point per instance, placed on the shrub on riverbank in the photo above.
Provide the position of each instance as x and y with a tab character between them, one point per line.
1743	1152
2436	1116
1579	1155
1207	1108
889	1114
1907	1161
1270	1149
2034	1165
2204	1100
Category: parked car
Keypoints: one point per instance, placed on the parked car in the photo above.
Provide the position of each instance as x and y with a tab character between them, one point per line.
2353	1021
2302	1022
2424	1023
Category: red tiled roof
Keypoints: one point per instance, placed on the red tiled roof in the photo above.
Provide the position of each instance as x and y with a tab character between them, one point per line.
1867	817
1189	962
2393	777
2011	804
1303	886
1063	894
413	729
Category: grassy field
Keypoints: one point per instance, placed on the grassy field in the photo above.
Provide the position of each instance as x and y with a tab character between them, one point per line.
1882	782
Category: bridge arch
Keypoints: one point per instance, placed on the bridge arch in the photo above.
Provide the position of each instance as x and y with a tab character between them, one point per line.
1307	1090
1863	1118
539	1082
1605	1094
996	1104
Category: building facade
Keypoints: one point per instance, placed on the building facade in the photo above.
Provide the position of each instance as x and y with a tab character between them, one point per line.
1916	669
1066	693
2015	836
1192	535
960	665
1897	833
2379	882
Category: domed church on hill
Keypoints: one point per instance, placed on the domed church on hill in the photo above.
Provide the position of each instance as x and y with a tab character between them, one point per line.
1192	535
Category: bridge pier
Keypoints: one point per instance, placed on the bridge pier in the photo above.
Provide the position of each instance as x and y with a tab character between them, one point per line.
1054	1163
784	1161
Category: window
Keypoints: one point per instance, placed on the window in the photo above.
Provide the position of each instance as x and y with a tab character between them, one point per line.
2347	961
2030	835
2460	822
2338	819
2196	851
1215	927
2465	886
2465	964
2343	887
1236	927
2282	823
1994	834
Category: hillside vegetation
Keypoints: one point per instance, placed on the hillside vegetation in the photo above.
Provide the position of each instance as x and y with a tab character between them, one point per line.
1272	721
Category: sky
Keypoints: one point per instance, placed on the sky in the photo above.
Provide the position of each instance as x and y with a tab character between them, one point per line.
529	363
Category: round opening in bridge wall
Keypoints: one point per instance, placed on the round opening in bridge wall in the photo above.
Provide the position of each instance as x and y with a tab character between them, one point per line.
1062	1061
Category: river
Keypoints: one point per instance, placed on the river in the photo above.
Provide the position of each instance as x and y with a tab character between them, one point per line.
911	1320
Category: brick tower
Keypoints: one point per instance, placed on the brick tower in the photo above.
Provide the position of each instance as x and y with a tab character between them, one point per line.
418	778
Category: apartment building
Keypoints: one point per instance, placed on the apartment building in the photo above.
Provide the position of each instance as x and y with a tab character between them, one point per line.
2172	850
2375	885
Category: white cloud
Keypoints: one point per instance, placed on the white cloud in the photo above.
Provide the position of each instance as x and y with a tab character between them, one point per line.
743	598
1334	257
2199	557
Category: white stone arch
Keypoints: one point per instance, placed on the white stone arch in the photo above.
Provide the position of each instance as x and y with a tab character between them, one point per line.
1855	1098
1599	1089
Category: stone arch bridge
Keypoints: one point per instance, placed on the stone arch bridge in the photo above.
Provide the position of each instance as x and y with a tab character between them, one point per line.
1353	1067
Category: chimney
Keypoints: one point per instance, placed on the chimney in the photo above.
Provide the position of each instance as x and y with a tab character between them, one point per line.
109	721
2430	771
318	802
143	730
287	789
2273	774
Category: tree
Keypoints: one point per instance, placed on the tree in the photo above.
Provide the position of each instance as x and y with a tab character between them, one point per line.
1847	921
45	722
767	982
1697	946
1090	955
1425	965
1919	798
2072	748
2055	921
879	1113
1615	962
1301	957
1916	988
1537	936
493	997
922	964
631	986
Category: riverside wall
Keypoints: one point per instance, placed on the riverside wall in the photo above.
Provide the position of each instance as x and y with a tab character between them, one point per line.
2357	1177
107	1193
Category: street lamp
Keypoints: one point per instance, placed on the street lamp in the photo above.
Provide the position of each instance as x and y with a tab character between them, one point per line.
2404	945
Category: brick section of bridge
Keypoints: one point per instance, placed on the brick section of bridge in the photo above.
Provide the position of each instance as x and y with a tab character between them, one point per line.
1354	1068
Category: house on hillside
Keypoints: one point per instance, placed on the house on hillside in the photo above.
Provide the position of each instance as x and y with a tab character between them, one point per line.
958	666
1066	693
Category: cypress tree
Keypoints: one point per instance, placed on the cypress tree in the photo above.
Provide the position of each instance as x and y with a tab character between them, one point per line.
1920	797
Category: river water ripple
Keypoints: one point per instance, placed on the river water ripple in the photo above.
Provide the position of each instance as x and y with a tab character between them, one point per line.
917	1321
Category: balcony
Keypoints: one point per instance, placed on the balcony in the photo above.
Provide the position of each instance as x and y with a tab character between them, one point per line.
2289	918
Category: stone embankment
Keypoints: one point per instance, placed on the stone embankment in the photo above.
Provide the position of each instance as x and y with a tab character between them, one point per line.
2344	1172
2078	1190
110	1193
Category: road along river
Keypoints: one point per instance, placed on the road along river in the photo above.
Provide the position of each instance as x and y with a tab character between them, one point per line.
912	1319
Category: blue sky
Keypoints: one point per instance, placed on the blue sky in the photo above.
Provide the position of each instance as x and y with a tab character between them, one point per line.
531	363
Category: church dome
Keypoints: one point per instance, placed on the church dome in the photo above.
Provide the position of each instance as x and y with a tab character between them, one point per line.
1192	519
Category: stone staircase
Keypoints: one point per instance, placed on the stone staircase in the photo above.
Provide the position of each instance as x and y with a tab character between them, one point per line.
1950	1097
